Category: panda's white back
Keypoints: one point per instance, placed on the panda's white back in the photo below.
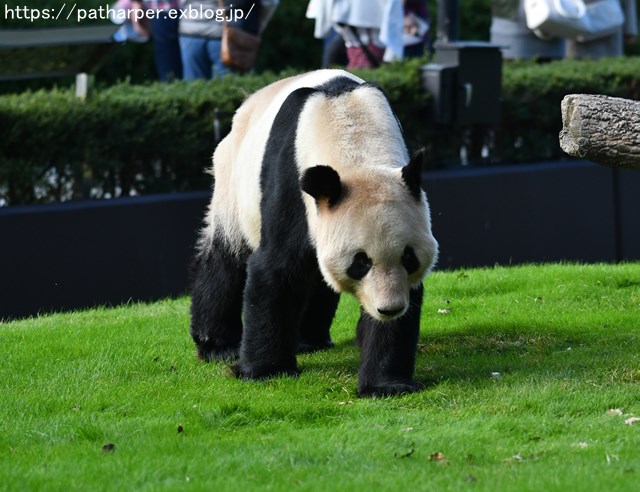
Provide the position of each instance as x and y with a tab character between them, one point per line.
237	161
353	133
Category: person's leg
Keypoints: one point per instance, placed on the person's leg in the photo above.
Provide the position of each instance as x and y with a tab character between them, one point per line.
195	58
213	50
334	51
164	32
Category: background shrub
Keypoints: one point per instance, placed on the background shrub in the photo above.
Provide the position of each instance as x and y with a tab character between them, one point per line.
131	139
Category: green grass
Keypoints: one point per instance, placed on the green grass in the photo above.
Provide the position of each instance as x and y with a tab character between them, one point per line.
565	340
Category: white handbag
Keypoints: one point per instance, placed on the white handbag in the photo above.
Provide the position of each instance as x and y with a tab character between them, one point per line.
573	18
604	17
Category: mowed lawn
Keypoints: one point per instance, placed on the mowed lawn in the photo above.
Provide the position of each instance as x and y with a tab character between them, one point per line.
531	374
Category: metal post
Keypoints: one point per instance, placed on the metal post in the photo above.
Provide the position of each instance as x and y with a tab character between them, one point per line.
82	85
216	126
448	29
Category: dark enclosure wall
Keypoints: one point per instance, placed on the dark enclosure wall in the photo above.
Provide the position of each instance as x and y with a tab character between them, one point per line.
82	254
529	213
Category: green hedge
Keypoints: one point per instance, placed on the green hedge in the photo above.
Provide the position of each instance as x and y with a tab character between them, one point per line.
131	138
155	138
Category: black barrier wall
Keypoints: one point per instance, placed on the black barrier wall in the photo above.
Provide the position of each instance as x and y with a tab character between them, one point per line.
525	213
80	254
83	254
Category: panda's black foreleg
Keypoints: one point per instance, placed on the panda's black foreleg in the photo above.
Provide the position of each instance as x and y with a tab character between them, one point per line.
274	300
317	319
217	281
389	350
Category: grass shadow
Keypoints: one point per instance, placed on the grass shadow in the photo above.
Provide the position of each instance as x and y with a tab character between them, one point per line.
475	354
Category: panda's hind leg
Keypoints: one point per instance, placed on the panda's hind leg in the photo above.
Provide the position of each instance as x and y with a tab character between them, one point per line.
218	276
317	319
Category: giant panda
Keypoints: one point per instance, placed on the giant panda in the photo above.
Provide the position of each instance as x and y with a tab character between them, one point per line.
314	195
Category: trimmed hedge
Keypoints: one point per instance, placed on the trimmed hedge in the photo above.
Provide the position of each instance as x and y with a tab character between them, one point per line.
131	139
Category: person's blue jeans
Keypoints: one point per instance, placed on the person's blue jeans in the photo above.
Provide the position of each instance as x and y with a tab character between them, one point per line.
164	33
201	58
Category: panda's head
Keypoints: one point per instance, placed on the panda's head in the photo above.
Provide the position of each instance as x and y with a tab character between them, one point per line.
372	233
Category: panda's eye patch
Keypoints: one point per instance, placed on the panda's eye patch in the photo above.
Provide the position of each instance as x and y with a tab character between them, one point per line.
409	260
360	266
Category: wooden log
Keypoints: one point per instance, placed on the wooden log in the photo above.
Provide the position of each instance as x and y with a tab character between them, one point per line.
601	129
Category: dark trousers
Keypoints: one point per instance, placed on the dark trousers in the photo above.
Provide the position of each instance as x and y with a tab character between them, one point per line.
166	46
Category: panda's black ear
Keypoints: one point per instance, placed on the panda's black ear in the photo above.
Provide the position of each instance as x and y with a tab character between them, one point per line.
322	182
412	173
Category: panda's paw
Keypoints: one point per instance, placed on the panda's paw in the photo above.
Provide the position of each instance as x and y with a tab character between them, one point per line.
389	389
224	354
248	372
307	347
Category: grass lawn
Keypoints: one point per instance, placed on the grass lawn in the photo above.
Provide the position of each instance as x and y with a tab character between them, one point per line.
530	374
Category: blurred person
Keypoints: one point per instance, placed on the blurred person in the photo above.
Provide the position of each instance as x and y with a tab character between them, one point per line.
334	52
416	28
509	30
164	33
200	40
201	32
608	46
121	14
372	30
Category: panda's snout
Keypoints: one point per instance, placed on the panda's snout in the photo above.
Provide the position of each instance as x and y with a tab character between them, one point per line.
391	312
384	293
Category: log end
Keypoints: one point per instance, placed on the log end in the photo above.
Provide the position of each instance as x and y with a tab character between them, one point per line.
601	129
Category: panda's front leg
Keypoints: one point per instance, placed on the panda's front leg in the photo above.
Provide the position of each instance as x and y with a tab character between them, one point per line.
317	318
389	351
274	299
